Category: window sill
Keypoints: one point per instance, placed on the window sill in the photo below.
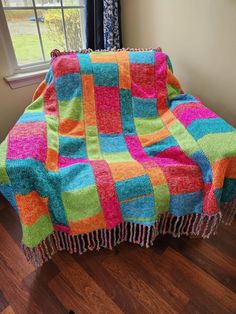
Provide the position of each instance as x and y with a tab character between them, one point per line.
19	80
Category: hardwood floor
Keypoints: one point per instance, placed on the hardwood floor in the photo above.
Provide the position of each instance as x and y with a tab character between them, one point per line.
174	276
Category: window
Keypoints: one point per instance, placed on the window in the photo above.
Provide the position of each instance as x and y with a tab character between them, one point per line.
33	28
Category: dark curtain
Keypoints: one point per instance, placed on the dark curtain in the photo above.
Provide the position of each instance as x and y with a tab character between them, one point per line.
103	22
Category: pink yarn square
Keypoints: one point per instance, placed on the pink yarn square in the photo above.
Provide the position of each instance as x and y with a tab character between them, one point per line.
31	147
50	101
28	129
189	115
135	148
210	205
183	178
143	80
108	109
107	193
66	161
65	65
173	155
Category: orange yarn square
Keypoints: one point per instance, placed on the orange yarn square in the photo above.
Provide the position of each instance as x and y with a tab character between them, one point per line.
152	138
103	57
89	100
225	168
124	70
231	169
156	176
52	160
172	80
88	224
39	91
168	118
126	170
31	207
73	128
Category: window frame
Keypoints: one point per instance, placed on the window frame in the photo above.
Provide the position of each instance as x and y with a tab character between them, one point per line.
17	71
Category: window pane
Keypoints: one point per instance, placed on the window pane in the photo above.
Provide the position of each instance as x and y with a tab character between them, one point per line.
73	2
24	35
73	28
17	3
58	2
47	3
52	31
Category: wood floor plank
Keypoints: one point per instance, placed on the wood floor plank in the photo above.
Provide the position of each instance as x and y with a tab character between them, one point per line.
192	308
207	257
2	204
77	289
18	298
197	283
13	257
137	285
113	288
153	275
187	276
225	242
10	220
8	310
3	301
40	294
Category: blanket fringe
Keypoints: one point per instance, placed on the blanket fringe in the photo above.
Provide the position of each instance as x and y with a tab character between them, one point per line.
228	210
56	53
189	225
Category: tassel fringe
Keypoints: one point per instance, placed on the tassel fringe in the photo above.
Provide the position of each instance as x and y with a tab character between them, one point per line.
56	53
190	225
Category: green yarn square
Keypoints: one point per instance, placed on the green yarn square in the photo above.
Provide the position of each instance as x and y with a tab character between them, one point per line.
82	203
148	125
36	106
3	156
35	233
52	132
71	109
162	198
218	146
92	141
117	157
186	142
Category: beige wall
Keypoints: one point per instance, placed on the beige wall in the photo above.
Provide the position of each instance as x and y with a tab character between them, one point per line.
12	102
200	38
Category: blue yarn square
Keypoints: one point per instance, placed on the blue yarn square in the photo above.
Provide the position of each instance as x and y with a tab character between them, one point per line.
204	164
85	63
142	57
29	175
218	196
112	143
49	76
180	100
141	210
126	111
186	203
199	128
72	147
133	187
68	86
105	74
32	117
144	107
229	190
76	176
160	146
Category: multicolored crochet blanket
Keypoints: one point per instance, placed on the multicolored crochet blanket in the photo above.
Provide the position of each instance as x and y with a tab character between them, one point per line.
112	150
